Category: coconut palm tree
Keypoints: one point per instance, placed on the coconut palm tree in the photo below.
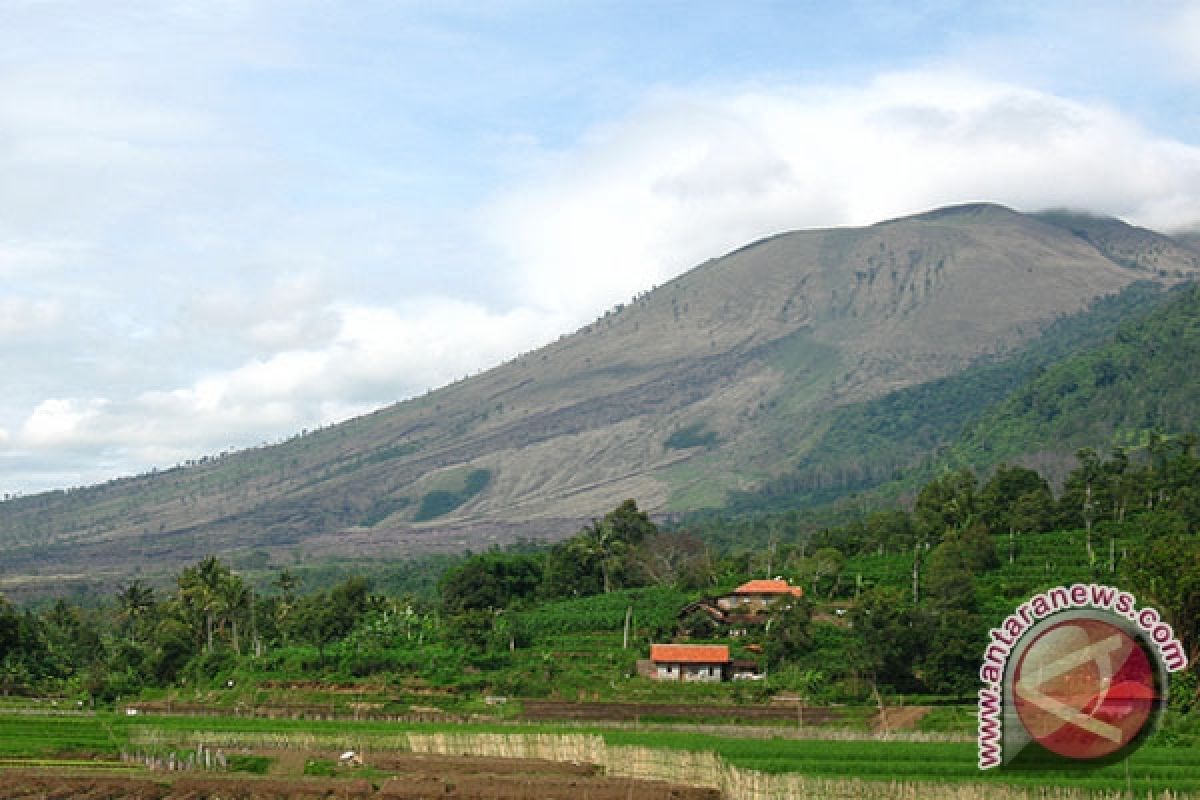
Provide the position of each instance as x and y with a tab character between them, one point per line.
135	602
201	592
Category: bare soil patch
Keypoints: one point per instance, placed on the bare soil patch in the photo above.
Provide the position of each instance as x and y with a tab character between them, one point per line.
393	776
901	718
475	765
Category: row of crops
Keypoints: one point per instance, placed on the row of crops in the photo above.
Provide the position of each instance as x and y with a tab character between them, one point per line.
1150	768
1153	768
1040	560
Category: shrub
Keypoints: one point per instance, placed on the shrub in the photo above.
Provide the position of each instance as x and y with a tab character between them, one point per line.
258	765
320	767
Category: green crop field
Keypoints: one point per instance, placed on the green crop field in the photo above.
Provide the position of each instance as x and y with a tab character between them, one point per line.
1152	767
31	739
31	736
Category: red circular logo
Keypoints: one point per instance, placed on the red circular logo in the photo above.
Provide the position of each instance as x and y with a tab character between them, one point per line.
1084	688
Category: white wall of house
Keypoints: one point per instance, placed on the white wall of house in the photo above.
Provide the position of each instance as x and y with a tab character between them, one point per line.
747	603
689	672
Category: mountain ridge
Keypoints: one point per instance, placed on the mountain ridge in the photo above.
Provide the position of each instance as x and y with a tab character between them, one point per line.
745	355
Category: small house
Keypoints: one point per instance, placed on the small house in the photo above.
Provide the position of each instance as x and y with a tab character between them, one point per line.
757	597
689	662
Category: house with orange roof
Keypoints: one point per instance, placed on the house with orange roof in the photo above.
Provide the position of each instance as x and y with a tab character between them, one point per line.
756	597
689	662
747	605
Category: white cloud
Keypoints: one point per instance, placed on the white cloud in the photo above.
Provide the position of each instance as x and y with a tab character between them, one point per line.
236	291
60	422
692	175
292	312
377	354
25	258
20	315
430	343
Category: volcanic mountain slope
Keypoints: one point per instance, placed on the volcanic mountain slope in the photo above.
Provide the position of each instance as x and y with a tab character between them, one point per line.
713	382
1139	382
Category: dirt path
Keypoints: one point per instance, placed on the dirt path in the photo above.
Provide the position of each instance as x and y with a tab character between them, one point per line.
900	718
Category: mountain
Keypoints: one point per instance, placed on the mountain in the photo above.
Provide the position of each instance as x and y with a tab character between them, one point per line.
900	439
1139	382
715	383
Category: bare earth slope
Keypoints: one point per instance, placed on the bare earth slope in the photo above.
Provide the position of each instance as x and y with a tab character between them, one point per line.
714	381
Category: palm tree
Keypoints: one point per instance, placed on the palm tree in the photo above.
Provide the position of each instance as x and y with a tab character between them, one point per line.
235	599
608	542
135	601
602	544
200	590
286	582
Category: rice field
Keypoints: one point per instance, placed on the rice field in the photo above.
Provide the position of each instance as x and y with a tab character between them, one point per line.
741	768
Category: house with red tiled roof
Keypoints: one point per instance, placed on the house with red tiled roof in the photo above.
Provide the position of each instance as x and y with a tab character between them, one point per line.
755	597
746	605
689	662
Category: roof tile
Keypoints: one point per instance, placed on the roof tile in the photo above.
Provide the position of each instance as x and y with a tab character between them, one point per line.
690	653
769	587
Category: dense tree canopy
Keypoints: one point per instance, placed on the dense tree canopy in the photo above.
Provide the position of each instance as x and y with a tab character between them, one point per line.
491	581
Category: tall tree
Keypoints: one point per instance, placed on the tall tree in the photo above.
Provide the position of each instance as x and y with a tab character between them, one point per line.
490	581
286	581
1164	570
947	503
235	605
607	543
674	559
998	497
135	603
888	641
789	627
203	592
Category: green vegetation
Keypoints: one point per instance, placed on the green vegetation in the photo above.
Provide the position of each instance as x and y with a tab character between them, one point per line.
439	502
30	736
900	435
1135	384
695	435
255	765
382	509
896	602
896	608
321	767
1153	767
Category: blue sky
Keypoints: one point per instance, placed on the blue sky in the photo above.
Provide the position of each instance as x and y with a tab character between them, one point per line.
225	221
